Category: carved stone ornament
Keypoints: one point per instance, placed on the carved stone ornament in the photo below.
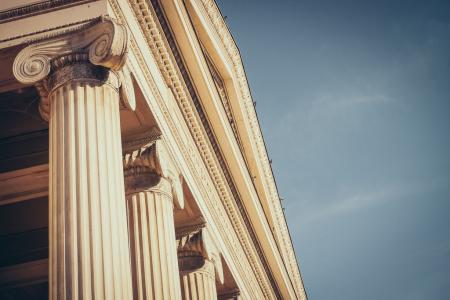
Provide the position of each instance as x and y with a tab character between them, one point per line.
145	163
54	61
127	96
230	295
194	248
105	42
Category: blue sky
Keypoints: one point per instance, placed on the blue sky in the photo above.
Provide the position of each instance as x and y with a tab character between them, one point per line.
354	101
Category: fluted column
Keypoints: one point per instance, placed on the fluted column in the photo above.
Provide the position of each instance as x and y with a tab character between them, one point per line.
151	191
199	263
79	86
199	283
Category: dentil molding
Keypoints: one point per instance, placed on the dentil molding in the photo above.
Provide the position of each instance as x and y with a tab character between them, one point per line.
207	170
282	233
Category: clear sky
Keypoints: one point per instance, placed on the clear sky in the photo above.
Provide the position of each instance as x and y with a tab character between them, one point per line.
354	101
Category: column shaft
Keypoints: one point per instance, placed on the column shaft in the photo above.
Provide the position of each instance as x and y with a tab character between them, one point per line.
155	272
89	254
199	284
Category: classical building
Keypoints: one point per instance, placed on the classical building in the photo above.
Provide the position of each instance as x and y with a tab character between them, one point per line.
132	164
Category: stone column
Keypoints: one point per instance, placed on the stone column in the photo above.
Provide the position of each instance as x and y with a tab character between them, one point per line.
200	266
76	75
199	283
152	189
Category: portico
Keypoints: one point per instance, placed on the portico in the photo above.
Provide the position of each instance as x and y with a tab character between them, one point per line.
136	137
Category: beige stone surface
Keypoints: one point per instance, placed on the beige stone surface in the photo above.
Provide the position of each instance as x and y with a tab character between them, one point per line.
88	256
189	208
150	204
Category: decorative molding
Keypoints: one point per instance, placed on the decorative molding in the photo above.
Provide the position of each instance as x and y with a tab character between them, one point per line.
52	62
49	33
231	227
126	90
282	233
194	248
221	90
75	66
180	82
230	295
145	164
105	43
37	9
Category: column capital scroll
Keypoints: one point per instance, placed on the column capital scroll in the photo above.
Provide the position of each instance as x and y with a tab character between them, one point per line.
147	164
196	248
103	42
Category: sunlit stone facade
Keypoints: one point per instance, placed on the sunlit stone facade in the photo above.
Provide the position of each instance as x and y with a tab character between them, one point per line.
132	163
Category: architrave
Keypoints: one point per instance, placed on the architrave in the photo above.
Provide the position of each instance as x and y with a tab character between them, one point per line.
182	145
227	54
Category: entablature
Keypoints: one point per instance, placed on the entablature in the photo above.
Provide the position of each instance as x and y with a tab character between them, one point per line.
250	166
164	60
214	34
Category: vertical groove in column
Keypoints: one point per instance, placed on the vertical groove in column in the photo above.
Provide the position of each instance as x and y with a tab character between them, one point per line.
88	234
174	286
152	239
83	220
71	194
155	253
199	284
142	236
120	190
60	205
94	196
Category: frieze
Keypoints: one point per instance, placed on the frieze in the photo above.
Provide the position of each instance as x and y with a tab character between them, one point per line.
229	226
211	151
219	25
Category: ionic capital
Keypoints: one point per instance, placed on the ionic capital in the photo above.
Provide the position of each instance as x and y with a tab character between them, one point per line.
196	249
52	62
105	44
147	166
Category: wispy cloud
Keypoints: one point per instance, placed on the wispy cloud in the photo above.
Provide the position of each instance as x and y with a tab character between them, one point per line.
349	99
349	204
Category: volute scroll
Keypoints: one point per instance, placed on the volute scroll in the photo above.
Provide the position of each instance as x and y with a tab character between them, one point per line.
105	42
195	247
146	161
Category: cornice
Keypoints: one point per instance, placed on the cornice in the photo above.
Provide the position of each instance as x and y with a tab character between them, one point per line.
211	152
37	9
222	92
281	229
49	33
206	167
